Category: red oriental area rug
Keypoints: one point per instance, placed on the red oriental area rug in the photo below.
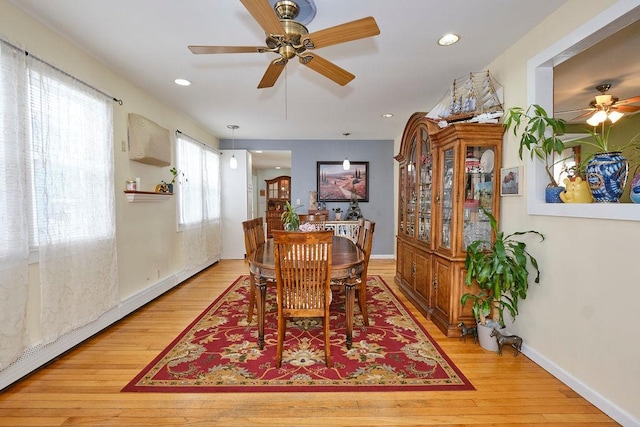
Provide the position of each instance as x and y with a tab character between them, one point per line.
218	351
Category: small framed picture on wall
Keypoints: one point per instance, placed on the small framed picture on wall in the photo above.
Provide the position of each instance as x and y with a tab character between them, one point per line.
511	181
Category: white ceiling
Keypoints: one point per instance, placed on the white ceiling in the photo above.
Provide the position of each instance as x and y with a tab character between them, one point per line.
401	71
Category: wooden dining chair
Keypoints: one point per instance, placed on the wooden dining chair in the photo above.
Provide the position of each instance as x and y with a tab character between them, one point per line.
359	234
253	238
303	275
366	234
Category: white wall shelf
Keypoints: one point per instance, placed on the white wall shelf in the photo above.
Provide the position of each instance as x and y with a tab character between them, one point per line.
146	196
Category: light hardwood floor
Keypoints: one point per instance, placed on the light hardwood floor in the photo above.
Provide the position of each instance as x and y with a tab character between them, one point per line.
83	386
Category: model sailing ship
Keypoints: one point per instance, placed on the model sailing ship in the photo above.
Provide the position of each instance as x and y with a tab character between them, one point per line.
473	98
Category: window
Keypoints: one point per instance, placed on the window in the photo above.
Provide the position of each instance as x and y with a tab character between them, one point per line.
70	157
199	195
57	196
540	89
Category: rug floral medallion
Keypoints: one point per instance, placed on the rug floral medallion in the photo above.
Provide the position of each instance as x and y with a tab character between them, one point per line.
218	352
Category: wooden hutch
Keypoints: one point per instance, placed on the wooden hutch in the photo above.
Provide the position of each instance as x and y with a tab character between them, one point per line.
445	175
278	194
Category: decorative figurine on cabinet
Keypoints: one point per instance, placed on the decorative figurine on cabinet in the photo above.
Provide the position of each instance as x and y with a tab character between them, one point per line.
354	213
512	340
472	331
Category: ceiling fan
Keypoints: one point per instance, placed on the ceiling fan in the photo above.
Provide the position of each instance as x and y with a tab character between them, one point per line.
606	106
289	38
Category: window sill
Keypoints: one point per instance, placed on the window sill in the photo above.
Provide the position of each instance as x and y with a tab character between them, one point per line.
146	196
615	211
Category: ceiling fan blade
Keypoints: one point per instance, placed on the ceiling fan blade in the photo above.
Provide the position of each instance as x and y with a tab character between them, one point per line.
629	100
626	108
199	50
273	72
555	113
265	16
583	115
326	68
354	30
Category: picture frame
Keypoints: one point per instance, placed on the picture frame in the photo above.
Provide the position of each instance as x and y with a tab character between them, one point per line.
511	181
334	184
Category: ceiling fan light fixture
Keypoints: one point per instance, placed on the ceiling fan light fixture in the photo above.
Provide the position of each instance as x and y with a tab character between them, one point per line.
599	117
614	116
604	99
448	39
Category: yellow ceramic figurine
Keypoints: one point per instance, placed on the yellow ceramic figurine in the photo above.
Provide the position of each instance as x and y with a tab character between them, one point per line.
576	191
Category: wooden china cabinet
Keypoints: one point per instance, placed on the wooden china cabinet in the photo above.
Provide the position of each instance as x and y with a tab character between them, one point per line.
445	176
278	194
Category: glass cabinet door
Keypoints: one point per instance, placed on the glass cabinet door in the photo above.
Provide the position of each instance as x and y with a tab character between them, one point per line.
448	174
426	172
411	197
478	193
402	199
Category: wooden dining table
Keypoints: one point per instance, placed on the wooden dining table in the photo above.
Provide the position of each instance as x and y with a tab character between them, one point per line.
347	261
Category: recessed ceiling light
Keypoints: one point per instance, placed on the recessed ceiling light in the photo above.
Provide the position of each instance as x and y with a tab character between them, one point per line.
387	115
182	82
278	167
448	39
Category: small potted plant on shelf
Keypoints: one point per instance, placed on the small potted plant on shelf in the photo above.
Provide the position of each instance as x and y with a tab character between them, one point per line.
177	176
500	271
540	135
338	213
290	218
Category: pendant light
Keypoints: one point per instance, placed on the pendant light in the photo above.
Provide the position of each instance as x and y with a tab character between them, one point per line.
233	163
346	165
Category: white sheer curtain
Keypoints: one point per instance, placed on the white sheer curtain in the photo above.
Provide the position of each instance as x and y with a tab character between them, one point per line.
198	203
73	192
14	234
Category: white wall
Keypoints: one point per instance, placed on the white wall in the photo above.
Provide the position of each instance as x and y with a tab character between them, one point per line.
236	202
578	322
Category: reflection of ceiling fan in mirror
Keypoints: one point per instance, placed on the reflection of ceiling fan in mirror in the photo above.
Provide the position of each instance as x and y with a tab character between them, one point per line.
289	38
606	106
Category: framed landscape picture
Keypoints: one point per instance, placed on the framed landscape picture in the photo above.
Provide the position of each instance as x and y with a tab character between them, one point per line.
511	181
334	184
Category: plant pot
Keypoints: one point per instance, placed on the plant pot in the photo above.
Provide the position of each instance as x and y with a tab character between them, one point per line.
485	339
338	216
552	194
607	175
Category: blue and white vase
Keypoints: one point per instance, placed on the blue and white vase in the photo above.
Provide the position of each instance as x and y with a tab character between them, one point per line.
607	175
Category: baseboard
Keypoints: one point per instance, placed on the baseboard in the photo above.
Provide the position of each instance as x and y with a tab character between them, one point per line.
605	405
382	256
39	355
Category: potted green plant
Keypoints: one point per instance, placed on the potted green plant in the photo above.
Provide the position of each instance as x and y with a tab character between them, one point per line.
177	176
540	135
338	213
500	270
290	218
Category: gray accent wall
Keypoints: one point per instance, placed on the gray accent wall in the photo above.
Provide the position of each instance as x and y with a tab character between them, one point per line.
304	158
